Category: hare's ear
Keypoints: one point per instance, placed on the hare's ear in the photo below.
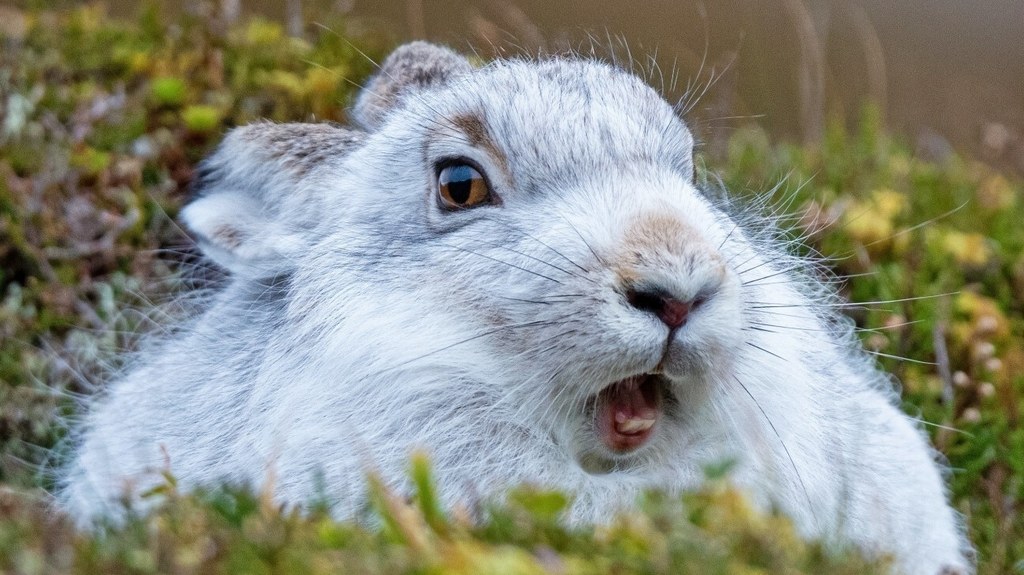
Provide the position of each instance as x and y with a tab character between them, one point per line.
409	68
256	198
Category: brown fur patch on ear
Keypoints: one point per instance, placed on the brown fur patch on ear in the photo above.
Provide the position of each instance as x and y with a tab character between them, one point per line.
227	237
411	67
298	147
251	206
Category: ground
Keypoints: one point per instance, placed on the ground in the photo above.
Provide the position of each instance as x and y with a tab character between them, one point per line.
102	125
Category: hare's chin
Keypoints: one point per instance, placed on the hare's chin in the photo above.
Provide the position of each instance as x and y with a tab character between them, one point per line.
628	410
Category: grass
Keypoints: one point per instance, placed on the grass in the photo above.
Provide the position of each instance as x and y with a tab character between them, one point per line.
102	124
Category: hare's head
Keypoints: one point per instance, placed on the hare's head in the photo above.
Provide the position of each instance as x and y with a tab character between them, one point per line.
528	230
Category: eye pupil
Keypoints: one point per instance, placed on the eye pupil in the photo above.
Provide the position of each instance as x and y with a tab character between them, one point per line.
459	191
462	186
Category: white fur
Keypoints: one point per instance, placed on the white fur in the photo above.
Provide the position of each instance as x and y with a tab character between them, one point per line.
381	324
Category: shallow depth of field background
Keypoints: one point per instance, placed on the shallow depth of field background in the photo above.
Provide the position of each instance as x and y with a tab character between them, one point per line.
896	129
945	73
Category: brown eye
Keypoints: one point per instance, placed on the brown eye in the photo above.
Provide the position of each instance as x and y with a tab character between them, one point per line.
461	186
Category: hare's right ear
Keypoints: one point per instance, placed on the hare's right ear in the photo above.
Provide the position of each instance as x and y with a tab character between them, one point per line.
411	67
256	197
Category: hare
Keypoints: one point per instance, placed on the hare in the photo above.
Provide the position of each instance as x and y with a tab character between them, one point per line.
513	268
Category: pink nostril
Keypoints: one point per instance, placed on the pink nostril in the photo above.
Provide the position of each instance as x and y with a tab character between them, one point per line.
670	311
673	312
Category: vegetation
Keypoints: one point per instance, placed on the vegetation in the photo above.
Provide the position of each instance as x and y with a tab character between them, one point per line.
101	124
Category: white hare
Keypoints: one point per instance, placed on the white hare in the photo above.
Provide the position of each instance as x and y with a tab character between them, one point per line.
512	268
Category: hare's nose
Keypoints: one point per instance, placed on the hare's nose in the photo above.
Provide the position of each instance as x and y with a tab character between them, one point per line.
671	311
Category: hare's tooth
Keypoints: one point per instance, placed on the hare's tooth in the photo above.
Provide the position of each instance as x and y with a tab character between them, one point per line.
634	425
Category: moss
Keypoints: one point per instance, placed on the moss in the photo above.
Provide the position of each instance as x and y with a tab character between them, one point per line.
168	91
202	119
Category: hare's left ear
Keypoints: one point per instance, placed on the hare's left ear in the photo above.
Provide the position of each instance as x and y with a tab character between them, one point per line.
409	68
257	197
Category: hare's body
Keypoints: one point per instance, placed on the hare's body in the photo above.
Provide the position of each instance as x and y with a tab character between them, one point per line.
592	322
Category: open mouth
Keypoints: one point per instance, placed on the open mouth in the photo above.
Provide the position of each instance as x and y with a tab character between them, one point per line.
628	411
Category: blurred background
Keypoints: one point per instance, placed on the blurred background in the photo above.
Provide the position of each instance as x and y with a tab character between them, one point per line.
948	74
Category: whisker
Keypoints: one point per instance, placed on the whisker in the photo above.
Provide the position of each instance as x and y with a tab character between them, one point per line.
789	456
585	242
525	300
478	336
945	427
754	345
852	304
510	264
536	259
905	231
771	275
548	246
899	357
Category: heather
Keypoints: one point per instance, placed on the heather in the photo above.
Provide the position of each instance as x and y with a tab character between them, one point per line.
103	123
